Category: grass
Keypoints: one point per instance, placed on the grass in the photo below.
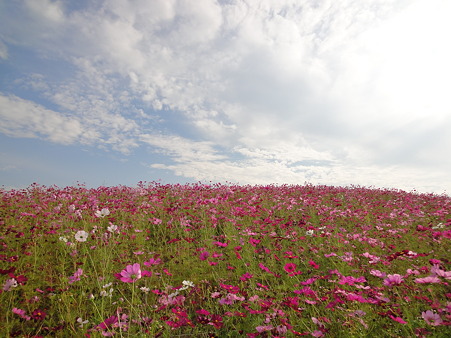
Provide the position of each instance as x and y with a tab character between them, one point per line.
224	261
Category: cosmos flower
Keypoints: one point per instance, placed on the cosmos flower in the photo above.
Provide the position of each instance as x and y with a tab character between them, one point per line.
21	313
429	279
81	236
152	261
394	279
9	284
432	318
245	277
102	213
81	322
188	283
76	276
130	274
38	314
112	228
290	268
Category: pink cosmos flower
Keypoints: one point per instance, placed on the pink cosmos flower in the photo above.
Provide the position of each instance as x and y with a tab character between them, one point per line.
432	318
332	254
317	333
254	241
264	328
230	299
230	288
313	264
245	277
107	325
394	279
215	294
437	271
203	312
130	274
152	261
398	319
226	301
262	286
216	321
167	272
378	273
309	281
254	298
429	279
290	268
21	313
76	276
38	314
413	272
264	268
351	280
282	329
204	255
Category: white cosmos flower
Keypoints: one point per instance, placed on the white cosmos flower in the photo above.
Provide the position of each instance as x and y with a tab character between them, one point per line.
438	226
188	283
81	322
10	283
309	232
105	293
102	213
81	236
112	228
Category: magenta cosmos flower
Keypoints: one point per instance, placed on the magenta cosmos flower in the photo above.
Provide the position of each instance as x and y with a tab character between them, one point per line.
130	274
290	268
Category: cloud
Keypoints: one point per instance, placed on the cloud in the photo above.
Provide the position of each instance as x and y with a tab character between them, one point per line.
46	10
267	90
3	51
182	149
22	118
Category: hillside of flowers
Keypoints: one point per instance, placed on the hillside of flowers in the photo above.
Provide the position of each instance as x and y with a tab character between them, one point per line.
219	260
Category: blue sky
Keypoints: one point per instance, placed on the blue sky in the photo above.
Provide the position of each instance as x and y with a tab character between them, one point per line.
109	92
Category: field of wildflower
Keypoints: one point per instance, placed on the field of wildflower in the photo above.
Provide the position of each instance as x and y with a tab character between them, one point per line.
217	260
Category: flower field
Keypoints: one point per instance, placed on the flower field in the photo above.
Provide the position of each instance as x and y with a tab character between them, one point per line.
224	261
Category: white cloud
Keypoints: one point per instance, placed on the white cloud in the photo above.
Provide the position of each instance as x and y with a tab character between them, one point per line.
181	149
22	118
274	90
3	51
46	10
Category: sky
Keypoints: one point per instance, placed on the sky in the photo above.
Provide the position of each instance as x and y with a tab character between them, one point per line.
324	92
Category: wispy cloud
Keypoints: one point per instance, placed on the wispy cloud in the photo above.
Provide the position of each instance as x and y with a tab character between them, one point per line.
3	51
21	118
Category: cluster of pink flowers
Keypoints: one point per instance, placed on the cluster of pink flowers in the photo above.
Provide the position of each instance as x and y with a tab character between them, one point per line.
265	260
